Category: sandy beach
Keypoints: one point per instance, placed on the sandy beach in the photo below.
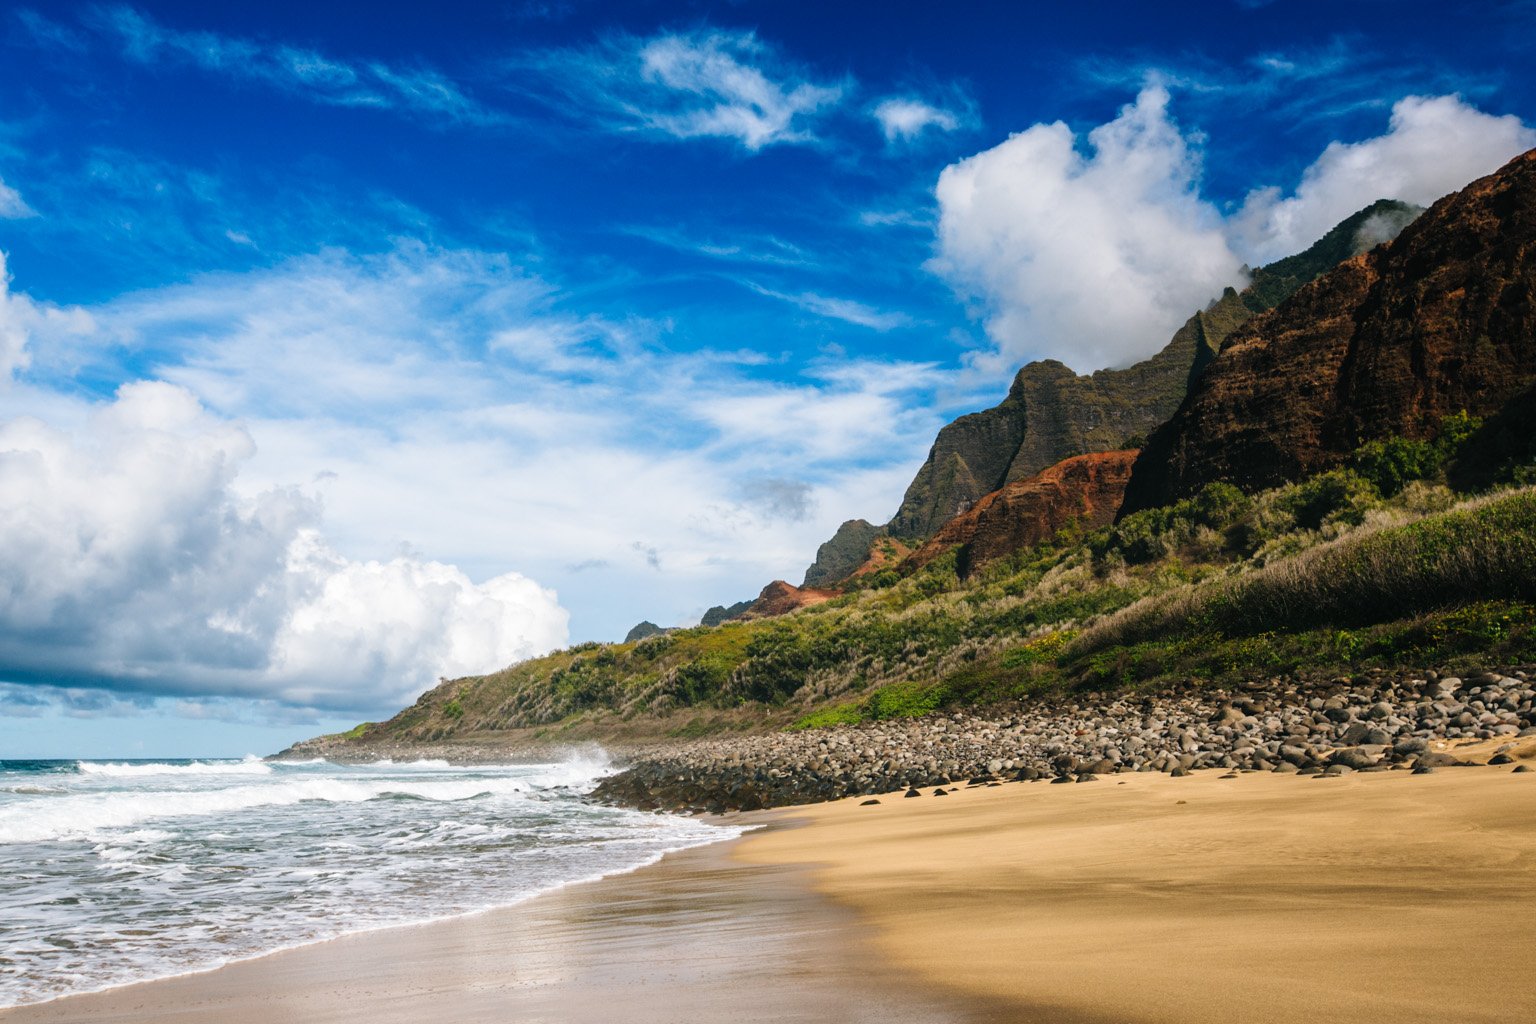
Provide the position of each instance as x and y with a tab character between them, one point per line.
1260	898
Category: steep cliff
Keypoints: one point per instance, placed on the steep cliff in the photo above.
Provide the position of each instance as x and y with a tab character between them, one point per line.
1388	343
1052	414
1086	489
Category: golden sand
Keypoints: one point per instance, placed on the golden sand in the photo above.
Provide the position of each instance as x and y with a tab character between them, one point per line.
1142	898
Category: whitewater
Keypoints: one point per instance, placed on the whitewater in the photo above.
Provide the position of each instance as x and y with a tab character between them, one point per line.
118	872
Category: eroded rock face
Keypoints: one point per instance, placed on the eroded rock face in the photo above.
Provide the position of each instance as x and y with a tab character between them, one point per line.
1390	342
1051	414
1087	489
780	598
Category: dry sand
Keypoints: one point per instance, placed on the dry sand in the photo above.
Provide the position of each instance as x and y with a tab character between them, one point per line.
1142	898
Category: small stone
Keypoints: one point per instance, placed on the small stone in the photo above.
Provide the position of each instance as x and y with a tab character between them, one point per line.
1501	759
867	803
913	792
1087	777
941	792
1423	769
1519	768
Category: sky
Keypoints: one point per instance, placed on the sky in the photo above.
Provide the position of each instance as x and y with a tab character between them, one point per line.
348	347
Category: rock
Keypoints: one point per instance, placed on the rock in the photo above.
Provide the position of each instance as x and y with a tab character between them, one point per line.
780	598
1520	768
1422	769
1355	733
1087	777
1501	759
1438	759
1084	489
941	792
868	803
911	793
1352	758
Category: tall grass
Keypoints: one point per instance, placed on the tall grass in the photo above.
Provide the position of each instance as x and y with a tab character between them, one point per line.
1481	550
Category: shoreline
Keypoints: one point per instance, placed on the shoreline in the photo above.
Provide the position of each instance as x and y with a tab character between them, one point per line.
698	929
1139	897
394	926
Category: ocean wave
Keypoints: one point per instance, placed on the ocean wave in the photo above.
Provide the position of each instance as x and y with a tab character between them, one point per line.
250	766
84	815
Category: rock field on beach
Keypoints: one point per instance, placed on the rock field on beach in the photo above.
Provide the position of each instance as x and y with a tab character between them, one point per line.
1373	722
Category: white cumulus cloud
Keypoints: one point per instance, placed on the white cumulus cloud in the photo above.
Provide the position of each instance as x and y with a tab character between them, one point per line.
129	560
1095	254
1433	146
1095	257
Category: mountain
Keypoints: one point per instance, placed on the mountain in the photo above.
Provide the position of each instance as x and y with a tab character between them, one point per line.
1387	344
1085	490
1293	577
642	630
722	613
1051	413
841	556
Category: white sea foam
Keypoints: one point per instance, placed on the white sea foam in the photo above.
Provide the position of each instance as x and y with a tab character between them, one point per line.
250	766
84	815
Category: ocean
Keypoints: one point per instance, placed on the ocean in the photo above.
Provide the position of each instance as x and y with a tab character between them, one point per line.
117	872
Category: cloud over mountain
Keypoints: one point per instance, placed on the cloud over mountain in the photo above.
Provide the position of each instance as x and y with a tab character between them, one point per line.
1094	254
1433	146
1088	257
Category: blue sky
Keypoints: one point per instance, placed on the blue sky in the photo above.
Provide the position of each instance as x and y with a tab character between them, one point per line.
345	347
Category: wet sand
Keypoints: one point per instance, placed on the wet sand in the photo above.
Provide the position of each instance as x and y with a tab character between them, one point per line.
1145	898
697	938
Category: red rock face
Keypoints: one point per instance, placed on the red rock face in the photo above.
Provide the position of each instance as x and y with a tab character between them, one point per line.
1087	489
1441	320
780	598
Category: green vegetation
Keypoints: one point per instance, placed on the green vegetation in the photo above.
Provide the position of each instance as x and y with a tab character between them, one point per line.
1377	563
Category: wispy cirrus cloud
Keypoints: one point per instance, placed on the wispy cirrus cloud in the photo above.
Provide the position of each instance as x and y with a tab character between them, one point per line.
420	92
12	206
768	250
685	85
1337	78
849	311
904	118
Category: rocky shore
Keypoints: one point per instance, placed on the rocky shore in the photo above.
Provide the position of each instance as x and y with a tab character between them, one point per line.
1372	722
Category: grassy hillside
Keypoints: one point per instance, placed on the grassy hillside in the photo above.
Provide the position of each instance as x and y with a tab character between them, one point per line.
1377	564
